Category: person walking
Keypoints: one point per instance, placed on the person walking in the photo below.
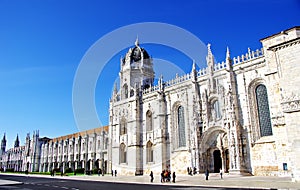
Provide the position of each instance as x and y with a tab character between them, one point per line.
162	176
115	173
206	174
151	177
173	177
221	173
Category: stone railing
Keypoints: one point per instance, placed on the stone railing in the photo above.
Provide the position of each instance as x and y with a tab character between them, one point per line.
202	72
177	80
219	66
248	56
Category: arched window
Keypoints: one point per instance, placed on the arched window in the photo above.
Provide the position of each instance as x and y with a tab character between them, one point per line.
123	153
83	146
216	110
123	127
125	91
181	127
98	144
149	151
91	145
149	125
263	111
106	143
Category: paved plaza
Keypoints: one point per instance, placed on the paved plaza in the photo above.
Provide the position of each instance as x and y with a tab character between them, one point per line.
234	181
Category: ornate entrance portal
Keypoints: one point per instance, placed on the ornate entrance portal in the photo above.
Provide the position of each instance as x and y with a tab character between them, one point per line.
214	150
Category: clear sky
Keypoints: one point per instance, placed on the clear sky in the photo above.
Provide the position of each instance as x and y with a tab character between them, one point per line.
43	42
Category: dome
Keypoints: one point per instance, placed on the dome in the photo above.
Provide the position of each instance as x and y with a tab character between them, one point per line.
138	53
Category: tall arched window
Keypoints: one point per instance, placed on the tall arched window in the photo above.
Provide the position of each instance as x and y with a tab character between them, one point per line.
123	154
181	127
123	127
263	110
98	144
149	126
149	151
125	91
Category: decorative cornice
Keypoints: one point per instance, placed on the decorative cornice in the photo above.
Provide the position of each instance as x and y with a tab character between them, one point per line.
285	44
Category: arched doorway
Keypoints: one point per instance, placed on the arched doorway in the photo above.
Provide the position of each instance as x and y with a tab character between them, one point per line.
217	161
212	147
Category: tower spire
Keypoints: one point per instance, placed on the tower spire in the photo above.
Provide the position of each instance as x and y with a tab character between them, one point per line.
3	144
228	60
137	43
227	53
17	142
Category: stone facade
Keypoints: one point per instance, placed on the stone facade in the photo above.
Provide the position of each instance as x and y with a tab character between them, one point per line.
87	150
239	115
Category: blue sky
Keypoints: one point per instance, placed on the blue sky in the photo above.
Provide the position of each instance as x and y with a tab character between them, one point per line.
43	42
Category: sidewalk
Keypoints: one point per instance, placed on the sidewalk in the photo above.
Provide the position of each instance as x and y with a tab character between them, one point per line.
229	181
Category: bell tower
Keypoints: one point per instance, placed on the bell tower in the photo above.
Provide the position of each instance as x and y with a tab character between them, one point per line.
136	71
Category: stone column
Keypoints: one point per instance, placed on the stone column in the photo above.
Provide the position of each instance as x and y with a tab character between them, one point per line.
164	131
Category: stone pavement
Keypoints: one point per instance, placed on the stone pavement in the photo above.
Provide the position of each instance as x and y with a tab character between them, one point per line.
230	181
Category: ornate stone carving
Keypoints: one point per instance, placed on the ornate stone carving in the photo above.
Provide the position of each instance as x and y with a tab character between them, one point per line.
278	120
290	103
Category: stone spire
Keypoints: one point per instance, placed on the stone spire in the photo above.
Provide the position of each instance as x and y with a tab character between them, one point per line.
227	53
3	144
210	67
228	60
210	60
115	89
194	72
194	65
161	83
17	142
137	43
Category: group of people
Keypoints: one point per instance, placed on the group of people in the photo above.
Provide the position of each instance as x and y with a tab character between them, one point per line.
191	171
165	176
112	173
